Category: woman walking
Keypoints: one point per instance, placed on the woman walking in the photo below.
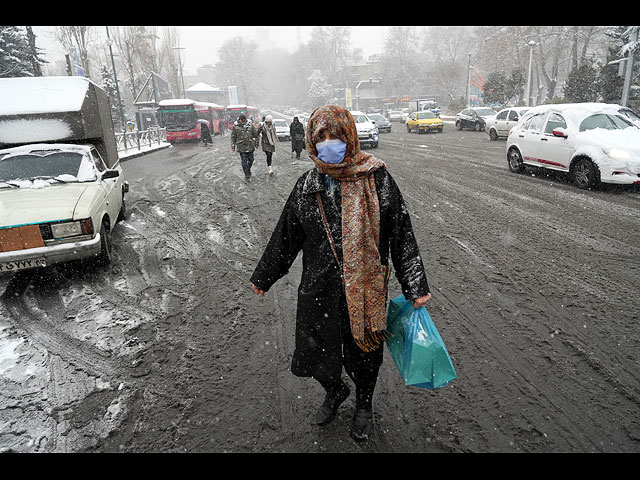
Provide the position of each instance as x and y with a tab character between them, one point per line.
269	139
296	132
348	217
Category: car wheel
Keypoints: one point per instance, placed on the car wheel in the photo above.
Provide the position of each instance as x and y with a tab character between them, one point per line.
515	161
105	256
408	129
493	135
585	174
477	127
458	125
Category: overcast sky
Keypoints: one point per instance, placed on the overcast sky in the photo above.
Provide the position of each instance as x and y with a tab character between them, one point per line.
201	43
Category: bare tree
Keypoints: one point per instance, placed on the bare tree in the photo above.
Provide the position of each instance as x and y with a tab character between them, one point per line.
80	38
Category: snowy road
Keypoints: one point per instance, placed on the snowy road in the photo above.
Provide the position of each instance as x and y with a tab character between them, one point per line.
535	293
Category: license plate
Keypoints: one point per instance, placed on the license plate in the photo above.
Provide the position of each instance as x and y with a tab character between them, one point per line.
22	264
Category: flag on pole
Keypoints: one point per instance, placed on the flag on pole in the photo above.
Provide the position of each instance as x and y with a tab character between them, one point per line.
476	80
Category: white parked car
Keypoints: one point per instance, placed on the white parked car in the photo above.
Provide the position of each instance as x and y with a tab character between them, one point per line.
367	131
59	202
282	129
498	126
589	141
395	115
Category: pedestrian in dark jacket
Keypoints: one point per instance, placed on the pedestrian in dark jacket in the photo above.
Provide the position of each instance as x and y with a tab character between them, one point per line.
244	138
205	133
341	314
296	132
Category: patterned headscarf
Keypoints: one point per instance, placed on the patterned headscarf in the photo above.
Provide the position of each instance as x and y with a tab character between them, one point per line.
362	270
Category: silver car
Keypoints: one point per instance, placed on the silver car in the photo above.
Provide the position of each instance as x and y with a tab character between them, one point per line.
498	126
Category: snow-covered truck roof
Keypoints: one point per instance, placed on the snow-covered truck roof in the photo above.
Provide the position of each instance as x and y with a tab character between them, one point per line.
58	110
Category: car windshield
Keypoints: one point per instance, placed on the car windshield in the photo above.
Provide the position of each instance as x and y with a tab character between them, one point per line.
377	117
425	115
602	120
485	112
360	118
63	166
280	123
631	114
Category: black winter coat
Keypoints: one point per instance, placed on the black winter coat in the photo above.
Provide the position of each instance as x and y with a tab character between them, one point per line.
321	299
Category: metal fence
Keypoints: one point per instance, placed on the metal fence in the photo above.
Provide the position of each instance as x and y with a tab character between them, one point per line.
137	140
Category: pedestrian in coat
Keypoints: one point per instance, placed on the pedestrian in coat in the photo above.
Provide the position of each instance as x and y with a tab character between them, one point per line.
270	140
206	133
348	218
244	138
296	132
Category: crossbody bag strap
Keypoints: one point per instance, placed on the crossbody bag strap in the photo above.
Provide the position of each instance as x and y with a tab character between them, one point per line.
326	227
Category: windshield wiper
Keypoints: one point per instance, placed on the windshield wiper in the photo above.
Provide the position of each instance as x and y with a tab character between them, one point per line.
10	183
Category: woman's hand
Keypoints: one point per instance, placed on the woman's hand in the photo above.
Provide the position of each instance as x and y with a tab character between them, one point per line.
421	302
257	290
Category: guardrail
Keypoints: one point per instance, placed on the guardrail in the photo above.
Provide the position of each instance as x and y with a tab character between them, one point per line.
127	141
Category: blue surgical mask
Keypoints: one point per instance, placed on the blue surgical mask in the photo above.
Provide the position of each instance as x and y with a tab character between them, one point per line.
331	151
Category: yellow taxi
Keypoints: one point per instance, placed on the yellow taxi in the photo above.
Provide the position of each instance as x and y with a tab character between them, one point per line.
424	121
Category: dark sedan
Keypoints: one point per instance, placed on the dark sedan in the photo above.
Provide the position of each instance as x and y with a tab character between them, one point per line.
380	121
474	118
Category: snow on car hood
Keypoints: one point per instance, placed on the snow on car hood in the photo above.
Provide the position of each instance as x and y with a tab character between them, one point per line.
19	206
627	139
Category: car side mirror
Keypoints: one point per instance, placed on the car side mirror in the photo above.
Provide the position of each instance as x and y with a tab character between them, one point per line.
110	174
560	132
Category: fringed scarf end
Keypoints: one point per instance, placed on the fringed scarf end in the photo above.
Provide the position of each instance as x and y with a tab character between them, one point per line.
373	340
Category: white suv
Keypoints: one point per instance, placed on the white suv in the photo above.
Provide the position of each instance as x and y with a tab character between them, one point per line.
589	141
367	131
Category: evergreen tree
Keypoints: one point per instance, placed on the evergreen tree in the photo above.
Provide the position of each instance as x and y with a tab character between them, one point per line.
609	83
108	83
16	59
581	85
501	89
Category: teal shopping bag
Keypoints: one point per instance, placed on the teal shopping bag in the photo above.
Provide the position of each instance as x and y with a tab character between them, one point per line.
416	346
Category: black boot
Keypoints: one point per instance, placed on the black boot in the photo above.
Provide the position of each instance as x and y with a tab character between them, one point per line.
329	408
362	425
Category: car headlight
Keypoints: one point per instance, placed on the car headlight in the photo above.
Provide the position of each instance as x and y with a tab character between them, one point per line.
619	154
72	229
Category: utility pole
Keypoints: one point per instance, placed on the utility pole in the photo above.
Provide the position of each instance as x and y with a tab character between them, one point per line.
628	72
115	77
531	45
184	94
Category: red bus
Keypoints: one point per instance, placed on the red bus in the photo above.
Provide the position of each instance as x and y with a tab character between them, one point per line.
180	118
234	111
213	113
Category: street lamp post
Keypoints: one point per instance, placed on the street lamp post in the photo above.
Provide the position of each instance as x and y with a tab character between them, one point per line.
531	45
466	93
